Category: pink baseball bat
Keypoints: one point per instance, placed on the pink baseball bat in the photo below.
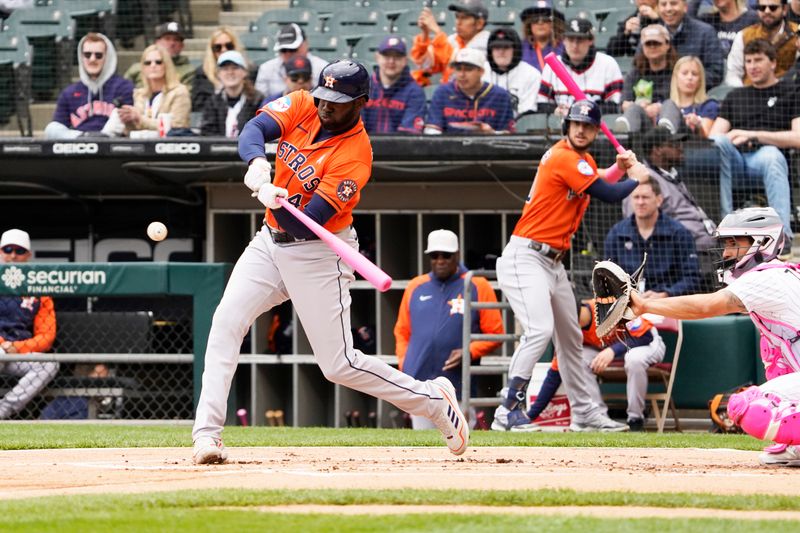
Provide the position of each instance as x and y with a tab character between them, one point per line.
379	279
613	173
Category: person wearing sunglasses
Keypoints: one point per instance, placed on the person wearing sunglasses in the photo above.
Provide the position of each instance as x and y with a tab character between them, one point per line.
773	27
691	37
626	40
428	331
170	37
543	32
228	110
206	82
728	17
290	41
83	108
161	105
298	77
27	325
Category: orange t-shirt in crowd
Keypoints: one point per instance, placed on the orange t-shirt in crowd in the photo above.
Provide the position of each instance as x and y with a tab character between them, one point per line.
336	168
557	201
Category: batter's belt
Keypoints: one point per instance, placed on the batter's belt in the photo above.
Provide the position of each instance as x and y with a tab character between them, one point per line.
547	250
282	237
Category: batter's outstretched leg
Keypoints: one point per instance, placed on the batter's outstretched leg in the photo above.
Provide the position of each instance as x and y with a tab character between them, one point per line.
254	287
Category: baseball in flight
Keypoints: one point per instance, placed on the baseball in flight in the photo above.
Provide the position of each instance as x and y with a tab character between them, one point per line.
157	231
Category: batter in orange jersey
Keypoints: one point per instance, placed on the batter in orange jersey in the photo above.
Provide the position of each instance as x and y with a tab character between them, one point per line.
323	161
532	276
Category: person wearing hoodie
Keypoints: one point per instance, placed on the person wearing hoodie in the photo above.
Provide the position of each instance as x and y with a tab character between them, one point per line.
597	74
84	107
396	103
507	70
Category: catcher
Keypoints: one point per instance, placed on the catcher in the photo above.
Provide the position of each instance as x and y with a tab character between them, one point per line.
758	283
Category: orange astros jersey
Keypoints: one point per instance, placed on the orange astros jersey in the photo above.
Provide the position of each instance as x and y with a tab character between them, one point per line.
336	168
555	206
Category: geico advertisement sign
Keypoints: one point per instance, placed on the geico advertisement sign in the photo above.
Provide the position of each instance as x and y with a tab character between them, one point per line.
177	148
51	281
75	148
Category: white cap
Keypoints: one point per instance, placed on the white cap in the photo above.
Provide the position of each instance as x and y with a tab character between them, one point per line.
16	236
469	56
442	240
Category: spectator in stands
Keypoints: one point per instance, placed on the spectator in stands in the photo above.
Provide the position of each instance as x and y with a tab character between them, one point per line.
432	51
755	123
169	36
469	104
626	40
83	108
291	41
396	103
689	109
773	27
728	17
543	29
690	37
596	73
298	77
430	322
663	156
647	83
793	15
27	324
161	105
671	268
793	76
507	70
227	111
206	82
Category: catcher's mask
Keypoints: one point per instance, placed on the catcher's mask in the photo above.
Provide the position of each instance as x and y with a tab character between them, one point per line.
764	228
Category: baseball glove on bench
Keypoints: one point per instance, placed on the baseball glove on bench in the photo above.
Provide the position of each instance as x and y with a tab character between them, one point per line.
612	288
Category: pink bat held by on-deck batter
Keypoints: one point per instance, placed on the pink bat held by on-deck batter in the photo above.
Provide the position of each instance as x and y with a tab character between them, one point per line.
613	173
379	279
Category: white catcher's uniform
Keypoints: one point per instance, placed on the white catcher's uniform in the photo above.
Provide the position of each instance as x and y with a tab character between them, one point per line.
318	282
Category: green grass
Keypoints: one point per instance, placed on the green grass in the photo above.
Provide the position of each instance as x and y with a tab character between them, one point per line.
201	511
19	436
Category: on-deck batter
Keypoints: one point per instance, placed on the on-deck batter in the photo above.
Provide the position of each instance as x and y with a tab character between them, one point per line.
323	161
769	289
534	280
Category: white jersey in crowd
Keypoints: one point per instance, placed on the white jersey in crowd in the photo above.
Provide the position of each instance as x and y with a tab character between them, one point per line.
773	294
521	81
270	76
602	81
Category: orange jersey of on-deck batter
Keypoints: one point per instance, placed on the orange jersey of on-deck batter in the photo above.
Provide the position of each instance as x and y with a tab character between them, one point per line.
555	206
336	168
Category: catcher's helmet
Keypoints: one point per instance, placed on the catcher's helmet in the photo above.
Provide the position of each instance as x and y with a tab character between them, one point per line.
764	226
582	111
342	81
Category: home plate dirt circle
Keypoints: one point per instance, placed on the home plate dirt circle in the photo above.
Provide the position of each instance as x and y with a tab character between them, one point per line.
35	473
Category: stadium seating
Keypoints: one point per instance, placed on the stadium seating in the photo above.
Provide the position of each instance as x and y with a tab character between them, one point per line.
354	23
102	11
50	30
15	80
329	46
258	46
270	21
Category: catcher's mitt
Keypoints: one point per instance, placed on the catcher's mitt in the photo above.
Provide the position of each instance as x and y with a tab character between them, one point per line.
612	288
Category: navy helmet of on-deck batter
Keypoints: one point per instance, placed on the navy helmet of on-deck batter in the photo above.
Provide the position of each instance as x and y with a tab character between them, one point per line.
342	81
582	111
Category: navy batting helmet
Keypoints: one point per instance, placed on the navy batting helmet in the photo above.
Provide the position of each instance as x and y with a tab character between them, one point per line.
582	111
342	81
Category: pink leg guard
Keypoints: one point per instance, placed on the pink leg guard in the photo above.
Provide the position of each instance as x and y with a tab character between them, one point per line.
765	417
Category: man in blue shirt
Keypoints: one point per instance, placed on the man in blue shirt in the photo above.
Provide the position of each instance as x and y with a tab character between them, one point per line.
468	104
672	268
396	103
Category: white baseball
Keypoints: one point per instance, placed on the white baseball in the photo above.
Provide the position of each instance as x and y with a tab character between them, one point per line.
157	231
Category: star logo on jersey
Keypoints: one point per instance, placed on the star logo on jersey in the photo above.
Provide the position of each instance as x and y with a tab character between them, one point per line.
456	305
330	81
346	190
28	302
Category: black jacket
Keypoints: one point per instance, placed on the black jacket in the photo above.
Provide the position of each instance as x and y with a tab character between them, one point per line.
216	110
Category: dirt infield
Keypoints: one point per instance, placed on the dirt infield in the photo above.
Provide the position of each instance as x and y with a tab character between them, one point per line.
32	473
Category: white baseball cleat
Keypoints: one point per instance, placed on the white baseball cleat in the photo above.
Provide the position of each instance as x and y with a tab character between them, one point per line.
780	455
450	420
208	450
